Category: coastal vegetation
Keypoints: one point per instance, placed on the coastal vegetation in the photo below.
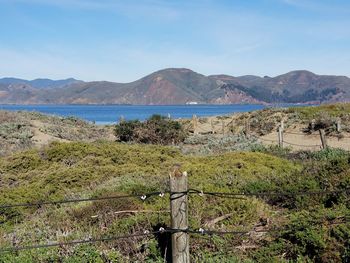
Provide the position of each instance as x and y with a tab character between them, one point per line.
288	227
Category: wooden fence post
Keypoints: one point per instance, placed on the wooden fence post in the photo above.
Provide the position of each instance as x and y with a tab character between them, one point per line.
339	125
313	123
247	128
195	124
282	125
233	126
212	127
223	127
280	137
179	216
323	139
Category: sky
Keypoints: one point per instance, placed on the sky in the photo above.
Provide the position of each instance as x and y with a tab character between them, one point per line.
123	40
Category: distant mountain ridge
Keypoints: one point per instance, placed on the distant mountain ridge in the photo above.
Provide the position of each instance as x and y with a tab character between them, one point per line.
40	83
181	86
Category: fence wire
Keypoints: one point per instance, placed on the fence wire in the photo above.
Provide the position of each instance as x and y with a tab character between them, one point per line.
200	231
190	191
58	202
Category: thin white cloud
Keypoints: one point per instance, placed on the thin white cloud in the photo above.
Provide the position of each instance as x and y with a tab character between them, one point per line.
326	6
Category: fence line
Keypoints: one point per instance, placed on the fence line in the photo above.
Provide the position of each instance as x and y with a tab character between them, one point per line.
301	133
40	203
286	142
302	145
179	229
225	128
200	231
270	193
161	194
76	242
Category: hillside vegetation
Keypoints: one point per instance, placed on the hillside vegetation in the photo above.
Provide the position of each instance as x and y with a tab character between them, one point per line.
309	222
66	170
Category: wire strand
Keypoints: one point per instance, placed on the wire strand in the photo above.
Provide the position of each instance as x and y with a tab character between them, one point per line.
161	194
240	195
148	233
40	203
301	134
75	242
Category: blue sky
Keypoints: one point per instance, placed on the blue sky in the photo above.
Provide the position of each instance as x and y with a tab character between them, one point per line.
123	40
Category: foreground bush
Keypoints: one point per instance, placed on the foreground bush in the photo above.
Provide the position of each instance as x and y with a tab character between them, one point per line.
156	130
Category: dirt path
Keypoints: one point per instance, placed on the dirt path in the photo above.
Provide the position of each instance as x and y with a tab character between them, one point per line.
41	138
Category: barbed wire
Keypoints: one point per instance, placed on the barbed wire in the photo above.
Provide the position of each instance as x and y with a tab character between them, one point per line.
240	195
41	203
161	194
200	231
203	231
75	242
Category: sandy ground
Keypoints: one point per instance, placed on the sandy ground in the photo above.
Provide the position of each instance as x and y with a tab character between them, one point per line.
41	138
293	137
216	125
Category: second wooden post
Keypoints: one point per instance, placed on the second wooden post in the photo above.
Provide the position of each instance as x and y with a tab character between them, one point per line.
280	137
323	139
179	216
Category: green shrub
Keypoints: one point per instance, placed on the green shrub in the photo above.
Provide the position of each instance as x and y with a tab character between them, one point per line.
330	154
125	131
156	130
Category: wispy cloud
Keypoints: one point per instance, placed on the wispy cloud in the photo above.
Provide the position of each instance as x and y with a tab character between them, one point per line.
326	6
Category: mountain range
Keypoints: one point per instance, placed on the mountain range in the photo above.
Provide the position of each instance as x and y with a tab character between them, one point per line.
180	86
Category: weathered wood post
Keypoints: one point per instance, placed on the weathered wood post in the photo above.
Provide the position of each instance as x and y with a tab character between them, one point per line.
282	125
195	124
247	128
179	216
233	126
338	125
280	137
323	138
223	128
313	124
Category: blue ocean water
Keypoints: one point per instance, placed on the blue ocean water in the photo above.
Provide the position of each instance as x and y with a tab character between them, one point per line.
107	114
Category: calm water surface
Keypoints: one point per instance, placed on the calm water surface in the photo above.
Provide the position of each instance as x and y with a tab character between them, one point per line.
106	114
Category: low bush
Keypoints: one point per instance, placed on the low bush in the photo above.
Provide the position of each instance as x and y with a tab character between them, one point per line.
156	130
